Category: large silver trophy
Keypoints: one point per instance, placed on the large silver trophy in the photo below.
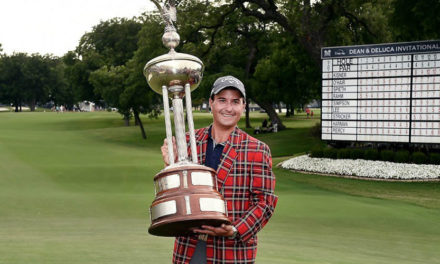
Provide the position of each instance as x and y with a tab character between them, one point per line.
186	193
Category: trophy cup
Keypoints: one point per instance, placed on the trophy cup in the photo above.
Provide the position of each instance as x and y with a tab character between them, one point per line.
186	192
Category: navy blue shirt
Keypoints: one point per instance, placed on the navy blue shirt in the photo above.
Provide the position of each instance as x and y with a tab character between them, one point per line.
213	152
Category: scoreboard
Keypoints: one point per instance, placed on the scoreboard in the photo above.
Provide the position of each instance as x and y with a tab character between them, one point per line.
381	93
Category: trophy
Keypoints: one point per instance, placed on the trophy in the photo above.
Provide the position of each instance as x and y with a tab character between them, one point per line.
186	192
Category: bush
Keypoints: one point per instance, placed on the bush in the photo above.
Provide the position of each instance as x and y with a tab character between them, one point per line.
419	158
372	154
330	153
317	153
315	131
356	154
344	153
387	155
402	156
434	158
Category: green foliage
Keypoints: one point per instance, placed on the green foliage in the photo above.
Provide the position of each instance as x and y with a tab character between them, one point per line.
107	64
356	153
330	153
287	74
415	20
113	41
434	158
419	157
317	152
109	45
31	79
371	154
109	83
387	155
344	153
402	156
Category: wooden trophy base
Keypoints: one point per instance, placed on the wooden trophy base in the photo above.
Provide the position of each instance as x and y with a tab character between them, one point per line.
186	198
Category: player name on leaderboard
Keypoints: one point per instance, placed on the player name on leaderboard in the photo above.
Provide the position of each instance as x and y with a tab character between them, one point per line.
382	93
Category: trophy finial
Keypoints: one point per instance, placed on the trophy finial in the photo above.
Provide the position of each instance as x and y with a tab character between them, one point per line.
170	37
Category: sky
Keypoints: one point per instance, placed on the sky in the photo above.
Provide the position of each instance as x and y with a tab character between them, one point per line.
56	26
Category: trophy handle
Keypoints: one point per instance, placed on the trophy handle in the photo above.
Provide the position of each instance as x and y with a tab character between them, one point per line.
189	115
166	108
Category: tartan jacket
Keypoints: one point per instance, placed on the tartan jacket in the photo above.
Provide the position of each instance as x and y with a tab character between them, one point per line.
245	179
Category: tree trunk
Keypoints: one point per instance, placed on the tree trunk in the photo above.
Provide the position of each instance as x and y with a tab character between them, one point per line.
248	122
127	120
139	122
287	110
279	108
274	118
32	105
250	59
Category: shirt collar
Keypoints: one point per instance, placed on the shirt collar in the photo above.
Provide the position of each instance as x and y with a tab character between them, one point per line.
214	143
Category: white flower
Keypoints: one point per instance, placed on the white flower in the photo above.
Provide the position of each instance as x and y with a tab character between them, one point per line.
363	168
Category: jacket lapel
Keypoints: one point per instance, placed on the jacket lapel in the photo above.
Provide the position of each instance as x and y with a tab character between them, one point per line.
202	145
228	158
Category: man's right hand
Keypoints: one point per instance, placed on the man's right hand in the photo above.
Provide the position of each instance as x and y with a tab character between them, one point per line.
164	149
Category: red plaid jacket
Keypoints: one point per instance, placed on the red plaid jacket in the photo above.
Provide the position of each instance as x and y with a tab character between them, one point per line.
246	181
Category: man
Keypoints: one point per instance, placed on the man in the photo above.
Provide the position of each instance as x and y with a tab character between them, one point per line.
244	178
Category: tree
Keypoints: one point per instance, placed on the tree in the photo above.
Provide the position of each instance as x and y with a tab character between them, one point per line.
109	82
286	75
104	66
110	43
415	20
36	73
77	72
29	79
12	80
116	86
60	90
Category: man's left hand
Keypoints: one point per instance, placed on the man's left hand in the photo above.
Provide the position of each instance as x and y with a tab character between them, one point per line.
223	230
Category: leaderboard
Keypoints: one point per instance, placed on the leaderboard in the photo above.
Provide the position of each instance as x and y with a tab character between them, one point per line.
381	93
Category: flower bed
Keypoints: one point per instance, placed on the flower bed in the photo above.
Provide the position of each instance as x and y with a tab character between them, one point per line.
363	168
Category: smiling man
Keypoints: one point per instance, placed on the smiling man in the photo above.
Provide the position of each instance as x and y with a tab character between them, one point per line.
244	178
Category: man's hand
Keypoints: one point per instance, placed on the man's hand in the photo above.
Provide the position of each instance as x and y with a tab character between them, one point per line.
223	230
164	150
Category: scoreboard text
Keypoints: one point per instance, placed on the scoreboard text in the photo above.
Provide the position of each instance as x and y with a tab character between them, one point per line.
381	93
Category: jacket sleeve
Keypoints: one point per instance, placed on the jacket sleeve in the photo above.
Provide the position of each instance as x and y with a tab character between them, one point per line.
263	199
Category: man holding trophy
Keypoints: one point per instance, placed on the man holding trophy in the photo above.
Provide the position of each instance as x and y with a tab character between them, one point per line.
216	191
245	179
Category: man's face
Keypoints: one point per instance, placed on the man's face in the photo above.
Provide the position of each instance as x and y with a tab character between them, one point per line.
227	107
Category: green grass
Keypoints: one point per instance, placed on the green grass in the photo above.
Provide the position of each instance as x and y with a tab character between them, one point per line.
76	187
